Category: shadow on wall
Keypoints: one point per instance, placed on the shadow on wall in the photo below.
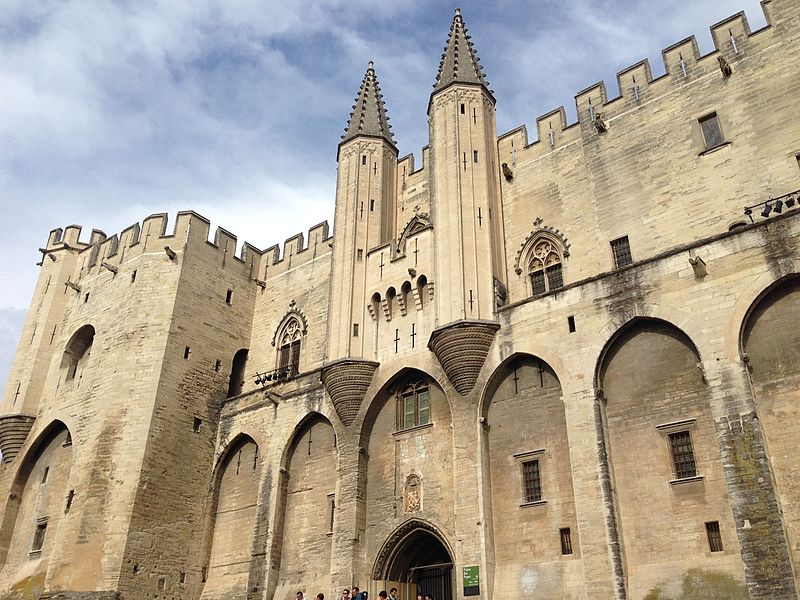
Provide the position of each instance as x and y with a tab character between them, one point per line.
704	585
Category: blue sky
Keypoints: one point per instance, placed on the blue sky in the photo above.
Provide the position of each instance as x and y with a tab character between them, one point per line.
111	111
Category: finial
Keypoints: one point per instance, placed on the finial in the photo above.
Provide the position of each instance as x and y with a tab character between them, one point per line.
371	65
458	12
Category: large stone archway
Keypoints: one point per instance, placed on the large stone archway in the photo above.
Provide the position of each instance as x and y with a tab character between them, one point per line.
416	559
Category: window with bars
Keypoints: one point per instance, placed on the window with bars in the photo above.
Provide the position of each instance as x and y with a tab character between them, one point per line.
413	406
566	540
712	133
714	536
531	481
621	249
683	462
545	266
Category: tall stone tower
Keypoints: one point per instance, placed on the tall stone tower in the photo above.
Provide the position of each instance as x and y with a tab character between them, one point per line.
465	208
365	218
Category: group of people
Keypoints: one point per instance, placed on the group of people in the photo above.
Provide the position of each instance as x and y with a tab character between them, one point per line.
356	594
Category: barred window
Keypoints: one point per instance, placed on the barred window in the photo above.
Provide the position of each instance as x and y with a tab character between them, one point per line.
545	266
566	540
531	481
714	536
712	134
413	406
682	454
621	248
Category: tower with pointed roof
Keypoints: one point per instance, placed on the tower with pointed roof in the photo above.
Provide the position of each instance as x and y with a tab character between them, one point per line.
365	199
464	183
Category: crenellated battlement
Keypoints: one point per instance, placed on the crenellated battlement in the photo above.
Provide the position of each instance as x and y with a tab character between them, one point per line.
683	64
190	230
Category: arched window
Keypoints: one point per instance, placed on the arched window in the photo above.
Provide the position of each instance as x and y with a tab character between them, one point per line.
238	365
413	405
544	266
78	347
289	347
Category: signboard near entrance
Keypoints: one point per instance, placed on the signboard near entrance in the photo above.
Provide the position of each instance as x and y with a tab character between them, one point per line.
472	581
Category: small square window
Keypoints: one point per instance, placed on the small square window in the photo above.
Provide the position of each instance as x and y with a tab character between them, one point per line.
45	473
197	425
363	159
531	481
162	584
714	536
712	134
571	324
187	352
228	296
463	108
182	578
474	156
621	248
371	205
355	329
133	276
566	540
359	254
683	462
217	365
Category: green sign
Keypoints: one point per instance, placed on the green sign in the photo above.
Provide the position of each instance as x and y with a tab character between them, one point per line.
472	581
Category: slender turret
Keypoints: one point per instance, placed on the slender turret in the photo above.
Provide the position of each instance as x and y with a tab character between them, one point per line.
464	183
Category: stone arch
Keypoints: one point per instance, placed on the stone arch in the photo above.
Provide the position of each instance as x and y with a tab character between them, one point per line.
399	539
289	338
292	313
233	518
418	223
306	502
526	465
381	397
770	344
238	365
662	455
39	498
77	350
394	452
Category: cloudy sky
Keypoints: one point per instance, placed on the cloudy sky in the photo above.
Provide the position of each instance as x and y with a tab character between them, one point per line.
113	110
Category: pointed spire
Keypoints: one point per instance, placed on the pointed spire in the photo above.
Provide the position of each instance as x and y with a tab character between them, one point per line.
369	112
460	62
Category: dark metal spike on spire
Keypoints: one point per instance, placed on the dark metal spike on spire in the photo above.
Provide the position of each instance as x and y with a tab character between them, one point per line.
369	111
460	62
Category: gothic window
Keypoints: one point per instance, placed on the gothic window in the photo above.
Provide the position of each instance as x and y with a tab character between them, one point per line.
413	406
289	347
544	266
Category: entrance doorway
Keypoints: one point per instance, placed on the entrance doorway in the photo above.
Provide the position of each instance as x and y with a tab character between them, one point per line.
415	560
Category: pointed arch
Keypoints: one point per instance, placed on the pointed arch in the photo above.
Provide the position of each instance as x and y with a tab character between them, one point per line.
233	521
38	499
542	257
306	503
400	541
418	223
288	338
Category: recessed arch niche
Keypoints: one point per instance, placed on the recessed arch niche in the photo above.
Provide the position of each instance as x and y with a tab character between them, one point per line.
306	509
524	428
234	520
39	501
771	341
656	404
398	454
